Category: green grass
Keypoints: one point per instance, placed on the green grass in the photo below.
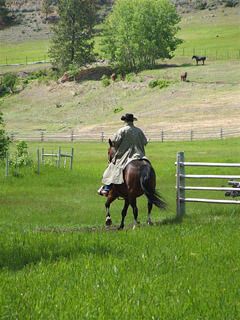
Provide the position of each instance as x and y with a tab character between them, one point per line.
212	33
25	52
52	266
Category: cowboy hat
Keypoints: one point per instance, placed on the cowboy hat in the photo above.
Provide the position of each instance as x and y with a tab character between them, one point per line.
128	117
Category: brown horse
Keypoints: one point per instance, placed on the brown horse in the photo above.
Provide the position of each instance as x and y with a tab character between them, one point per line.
184	76
139	178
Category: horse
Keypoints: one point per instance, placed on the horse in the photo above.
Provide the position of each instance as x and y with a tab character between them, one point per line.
184	76
198	58
139	178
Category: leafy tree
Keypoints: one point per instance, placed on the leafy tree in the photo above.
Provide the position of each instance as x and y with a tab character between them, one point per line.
46	7
138	32
71	43
4	139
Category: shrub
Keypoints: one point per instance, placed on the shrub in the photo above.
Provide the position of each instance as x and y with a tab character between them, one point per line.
231	3
105	81
73	71
130	77
9	81
118	109
4	139
161	83
21	157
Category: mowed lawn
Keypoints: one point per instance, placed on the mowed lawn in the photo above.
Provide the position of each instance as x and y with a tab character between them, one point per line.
58	262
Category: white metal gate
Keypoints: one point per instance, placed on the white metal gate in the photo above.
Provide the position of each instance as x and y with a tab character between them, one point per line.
181	187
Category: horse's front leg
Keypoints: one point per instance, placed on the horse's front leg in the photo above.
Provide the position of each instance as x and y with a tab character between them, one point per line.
124	213
110	199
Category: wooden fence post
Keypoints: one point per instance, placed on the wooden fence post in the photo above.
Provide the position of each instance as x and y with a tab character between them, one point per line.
71	160
102	136
38	161
42	136
42	155
191	135
221	133
59	157
180	181
72	136
162	136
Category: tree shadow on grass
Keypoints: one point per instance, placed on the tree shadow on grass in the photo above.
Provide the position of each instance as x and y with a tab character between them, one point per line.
17	257
168	66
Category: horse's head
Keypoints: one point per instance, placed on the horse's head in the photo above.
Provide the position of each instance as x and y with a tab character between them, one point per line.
111	151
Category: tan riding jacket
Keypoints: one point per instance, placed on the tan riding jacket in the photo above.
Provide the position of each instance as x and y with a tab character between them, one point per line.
129	142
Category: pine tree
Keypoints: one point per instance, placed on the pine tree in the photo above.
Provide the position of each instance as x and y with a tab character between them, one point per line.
72	39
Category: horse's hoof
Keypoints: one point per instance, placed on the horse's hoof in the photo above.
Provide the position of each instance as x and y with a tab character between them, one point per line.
108	222
150	223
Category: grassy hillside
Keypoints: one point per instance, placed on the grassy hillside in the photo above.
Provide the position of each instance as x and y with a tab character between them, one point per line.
57	260
209	99
215	33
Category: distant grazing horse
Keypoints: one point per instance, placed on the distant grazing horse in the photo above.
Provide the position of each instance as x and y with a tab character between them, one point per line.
139	178
199	59
184	76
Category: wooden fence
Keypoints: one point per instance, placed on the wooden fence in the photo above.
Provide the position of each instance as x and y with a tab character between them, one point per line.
181	187
161	135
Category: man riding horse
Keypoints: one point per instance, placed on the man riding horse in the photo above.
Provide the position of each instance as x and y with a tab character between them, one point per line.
129	142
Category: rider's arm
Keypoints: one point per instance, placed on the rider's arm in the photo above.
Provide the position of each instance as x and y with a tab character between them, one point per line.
117	139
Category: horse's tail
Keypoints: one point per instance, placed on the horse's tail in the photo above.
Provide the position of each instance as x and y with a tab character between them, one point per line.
147	175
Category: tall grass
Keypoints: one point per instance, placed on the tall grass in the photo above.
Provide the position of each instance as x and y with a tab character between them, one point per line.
58	262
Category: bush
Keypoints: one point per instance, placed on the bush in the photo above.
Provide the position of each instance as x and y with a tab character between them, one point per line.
231	3
161	83
73	71
130	77
118	109
105	81
4	139
9	81
21	157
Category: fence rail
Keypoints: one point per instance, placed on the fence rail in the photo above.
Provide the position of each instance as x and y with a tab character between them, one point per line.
213	53
161	135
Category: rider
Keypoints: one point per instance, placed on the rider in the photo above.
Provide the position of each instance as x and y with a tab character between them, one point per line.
129	142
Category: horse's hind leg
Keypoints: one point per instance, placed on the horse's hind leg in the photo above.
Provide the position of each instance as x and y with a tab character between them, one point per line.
149	220
135	212
124	213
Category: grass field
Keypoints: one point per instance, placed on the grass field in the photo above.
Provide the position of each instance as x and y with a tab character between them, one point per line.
58	262
213	33
209	99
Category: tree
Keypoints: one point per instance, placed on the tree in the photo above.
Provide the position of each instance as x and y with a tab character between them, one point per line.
4	139
72	39
4	18
46	7
138	32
